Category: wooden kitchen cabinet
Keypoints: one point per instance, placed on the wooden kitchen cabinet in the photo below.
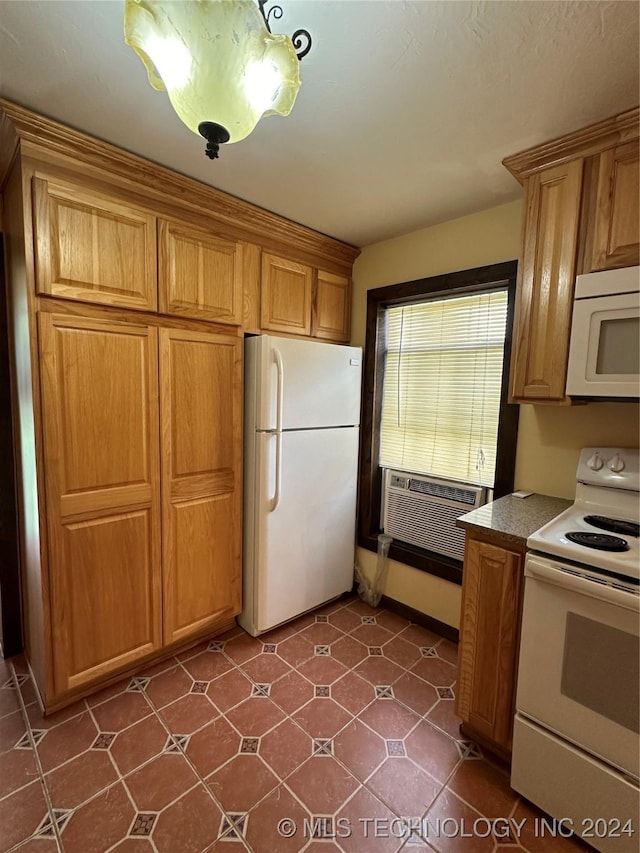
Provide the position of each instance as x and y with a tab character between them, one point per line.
331	309
489	640
545	288
93	247
581	214
109	430
615	226
299	299
101	462
200	275
201	427
286	295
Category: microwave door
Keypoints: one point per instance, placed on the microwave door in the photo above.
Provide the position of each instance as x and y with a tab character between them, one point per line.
604	353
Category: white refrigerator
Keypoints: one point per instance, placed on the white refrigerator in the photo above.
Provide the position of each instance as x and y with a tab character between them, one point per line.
302	415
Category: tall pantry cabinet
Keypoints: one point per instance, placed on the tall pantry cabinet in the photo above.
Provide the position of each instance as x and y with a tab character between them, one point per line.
136	430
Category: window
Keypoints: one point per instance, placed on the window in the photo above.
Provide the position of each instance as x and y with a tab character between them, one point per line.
441	386
435	386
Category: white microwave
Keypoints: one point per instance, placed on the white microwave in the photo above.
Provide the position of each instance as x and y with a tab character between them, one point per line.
604	352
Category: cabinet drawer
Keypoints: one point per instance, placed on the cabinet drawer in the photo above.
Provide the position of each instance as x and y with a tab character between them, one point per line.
93	248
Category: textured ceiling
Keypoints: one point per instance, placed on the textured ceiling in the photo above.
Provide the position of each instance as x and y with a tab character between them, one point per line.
405	112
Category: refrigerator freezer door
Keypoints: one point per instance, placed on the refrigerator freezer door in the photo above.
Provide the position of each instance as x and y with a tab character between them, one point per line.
302	552
320	383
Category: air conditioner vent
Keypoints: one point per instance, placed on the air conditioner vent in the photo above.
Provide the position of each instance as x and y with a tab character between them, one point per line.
452	492
423	510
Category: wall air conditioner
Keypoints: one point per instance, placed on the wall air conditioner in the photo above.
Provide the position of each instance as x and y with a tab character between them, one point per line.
422	510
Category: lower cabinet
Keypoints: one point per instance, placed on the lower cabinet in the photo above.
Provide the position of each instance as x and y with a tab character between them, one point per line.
489	641
142	463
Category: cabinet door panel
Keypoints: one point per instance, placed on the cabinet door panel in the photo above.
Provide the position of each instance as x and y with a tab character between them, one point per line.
489	640
616	222
286	295
108	559
93	248
332	308
203	578
200	275
201	398
100	407
545	288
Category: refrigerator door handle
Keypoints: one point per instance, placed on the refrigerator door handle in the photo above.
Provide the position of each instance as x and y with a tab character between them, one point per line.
277	357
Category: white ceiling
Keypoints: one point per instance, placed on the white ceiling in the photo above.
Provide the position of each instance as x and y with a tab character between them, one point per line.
405	112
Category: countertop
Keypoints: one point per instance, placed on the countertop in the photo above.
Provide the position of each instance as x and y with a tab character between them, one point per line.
514	519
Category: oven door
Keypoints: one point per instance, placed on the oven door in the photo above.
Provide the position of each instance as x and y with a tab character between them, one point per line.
579	661
604	352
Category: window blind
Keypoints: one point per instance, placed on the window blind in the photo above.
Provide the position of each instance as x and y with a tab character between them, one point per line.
441	388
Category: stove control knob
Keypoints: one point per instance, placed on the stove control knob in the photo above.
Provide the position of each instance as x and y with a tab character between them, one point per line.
595	462
616	464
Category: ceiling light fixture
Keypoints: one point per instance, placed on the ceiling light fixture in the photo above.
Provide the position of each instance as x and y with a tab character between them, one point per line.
218	61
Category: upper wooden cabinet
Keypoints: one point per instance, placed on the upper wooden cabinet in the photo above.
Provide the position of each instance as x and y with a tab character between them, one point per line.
331	310
581	214
546	282
615	227
200	275
92	247
298	299
286	295
489	637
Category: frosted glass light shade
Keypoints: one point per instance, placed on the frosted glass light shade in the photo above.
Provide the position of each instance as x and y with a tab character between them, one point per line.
216	59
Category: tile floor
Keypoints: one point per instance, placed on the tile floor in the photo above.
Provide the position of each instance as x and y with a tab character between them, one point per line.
321	736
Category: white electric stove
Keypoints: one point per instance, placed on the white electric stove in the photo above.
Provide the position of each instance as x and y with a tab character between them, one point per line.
601	530
576	744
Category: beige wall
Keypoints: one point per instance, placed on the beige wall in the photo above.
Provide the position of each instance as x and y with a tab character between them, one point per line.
549	437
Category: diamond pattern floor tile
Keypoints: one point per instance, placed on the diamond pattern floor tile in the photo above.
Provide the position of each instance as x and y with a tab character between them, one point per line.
242	783
262	826
341	718
176	829
138	744
17	769
372	826
160	782
213	746
66	740
284	761
255	716
12	729
389	719
21	813
322	784
80	779
100	823
322	718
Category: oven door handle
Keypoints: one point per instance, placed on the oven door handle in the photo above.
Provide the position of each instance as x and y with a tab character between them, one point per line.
541	570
